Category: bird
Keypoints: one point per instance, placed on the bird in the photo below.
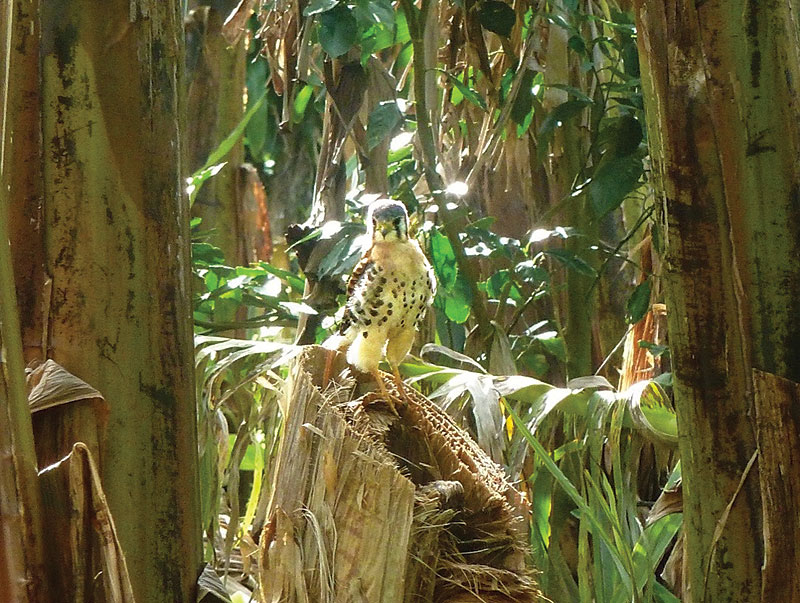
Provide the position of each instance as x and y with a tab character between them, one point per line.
388	294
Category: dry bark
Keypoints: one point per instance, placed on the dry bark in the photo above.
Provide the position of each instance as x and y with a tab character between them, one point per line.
370	506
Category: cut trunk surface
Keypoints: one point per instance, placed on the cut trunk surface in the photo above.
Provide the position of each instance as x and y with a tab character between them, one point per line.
371	506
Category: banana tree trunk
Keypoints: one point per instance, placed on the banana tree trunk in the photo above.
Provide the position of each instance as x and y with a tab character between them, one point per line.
99	233
721	89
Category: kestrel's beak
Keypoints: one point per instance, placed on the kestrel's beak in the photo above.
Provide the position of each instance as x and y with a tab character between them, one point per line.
386	227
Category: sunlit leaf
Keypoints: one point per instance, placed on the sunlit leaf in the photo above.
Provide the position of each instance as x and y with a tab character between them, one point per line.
458	301
197	179
552	343
532	273
500	281
432	348
379	12
652	410
567	486
345	253
301	102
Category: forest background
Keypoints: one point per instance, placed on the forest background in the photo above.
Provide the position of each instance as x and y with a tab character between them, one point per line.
609	194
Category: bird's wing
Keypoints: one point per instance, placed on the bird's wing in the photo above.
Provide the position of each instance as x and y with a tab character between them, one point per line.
357	279
431	275
431	279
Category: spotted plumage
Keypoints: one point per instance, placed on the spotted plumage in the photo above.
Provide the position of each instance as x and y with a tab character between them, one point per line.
388	293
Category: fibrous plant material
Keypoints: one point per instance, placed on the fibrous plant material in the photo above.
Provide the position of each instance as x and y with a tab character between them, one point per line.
369	506
78	514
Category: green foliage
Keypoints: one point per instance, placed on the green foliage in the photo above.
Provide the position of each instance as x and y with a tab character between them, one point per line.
260	294
622	549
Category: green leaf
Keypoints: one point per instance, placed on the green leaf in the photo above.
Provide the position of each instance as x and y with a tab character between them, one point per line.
572	261
553	344
256	130
656	411
443	259
345	253
319	6
198	178
402	34
664	380
613	180
662	595
638	303
622	135
458	301
651	410
598	527
555	119
652	544
338	30
471	95
207	253
374	39
497	17
577	44
295	282
560	114
301	103
376	11
498	281
523	104
530	272
655	349
382	122
231	139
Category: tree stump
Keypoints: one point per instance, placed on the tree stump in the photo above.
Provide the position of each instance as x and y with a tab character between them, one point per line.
373	507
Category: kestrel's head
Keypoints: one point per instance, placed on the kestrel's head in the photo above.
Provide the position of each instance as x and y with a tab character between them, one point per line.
387	220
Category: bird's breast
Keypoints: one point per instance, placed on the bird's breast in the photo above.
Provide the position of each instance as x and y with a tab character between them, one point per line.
400	290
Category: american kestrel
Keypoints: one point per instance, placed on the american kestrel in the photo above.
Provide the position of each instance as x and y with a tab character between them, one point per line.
388	294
